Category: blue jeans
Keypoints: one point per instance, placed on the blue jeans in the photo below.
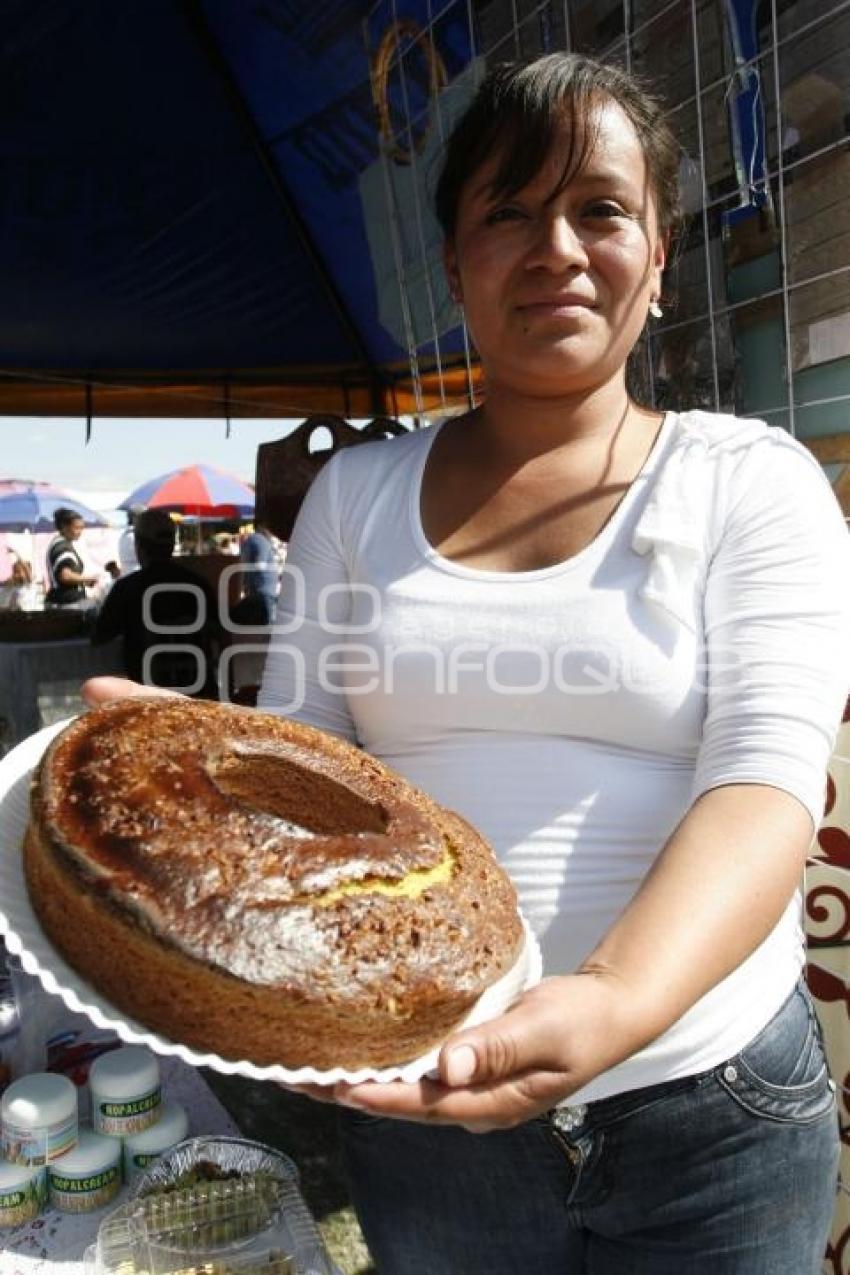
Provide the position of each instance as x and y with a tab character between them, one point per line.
730	1172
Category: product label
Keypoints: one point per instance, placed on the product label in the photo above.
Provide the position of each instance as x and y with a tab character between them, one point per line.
94	1182
78	1195
126	1117
137	1161
23	1203
18	1206
37	1146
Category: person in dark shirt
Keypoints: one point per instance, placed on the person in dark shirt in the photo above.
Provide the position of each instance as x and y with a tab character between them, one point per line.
162	594
67	578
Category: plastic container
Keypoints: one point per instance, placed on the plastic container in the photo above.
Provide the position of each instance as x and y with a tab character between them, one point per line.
25	1050
22	1192
38	1118
87	1178
142	1149
213	1205
10	1019
125	1091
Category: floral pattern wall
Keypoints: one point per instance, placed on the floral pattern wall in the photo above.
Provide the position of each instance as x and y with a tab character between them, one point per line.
828	931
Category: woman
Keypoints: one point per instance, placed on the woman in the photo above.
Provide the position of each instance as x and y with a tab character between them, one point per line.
66	574
614	641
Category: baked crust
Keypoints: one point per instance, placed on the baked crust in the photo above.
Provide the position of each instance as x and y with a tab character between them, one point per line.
254	887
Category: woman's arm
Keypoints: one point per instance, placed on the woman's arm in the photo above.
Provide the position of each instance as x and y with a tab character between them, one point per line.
715	892
67	576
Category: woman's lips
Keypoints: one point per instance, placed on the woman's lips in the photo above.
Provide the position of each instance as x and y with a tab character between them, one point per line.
566	307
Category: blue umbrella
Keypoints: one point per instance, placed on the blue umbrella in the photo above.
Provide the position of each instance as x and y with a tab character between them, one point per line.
32	509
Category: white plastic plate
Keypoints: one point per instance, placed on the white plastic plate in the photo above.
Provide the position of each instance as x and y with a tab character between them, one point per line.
25	938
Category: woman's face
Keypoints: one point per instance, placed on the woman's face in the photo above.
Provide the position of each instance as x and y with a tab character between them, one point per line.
556	289
74	529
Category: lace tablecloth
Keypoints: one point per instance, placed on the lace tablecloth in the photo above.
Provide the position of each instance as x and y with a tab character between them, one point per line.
54	1243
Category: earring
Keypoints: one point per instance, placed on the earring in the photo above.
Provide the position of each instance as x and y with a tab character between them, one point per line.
655	309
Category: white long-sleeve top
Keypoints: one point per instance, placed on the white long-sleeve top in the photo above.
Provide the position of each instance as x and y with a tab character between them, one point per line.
574	713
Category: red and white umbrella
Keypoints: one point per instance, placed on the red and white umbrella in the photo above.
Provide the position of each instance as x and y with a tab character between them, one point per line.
200	490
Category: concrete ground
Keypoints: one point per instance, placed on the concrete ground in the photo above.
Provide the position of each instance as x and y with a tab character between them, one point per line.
305	1131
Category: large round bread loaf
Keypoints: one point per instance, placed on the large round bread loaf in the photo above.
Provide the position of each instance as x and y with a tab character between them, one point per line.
251	886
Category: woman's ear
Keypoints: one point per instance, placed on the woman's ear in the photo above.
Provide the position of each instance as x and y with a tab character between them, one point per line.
659	261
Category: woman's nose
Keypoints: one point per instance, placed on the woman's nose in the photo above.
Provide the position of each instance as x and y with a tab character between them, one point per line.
558	244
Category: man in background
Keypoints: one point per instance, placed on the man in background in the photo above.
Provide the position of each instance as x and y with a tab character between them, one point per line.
162	594
261	579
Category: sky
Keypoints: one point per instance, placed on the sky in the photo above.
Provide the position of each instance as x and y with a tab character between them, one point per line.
122	454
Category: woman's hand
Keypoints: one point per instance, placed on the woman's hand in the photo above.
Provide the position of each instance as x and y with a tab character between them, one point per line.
100	690
561	1034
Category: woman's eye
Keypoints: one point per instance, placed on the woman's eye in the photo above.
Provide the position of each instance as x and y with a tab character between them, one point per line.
604	208
507	212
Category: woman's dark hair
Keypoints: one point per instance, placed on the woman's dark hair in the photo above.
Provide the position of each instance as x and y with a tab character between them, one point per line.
520	107
63	516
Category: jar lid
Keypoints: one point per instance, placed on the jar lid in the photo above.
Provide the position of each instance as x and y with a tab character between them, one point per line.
171	1128
16	1175
40	1099
9	1008
125	1072
93	1153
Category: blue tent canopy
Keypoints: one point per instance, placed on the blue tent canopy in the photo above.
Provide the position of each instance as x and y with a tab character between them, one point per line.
193	213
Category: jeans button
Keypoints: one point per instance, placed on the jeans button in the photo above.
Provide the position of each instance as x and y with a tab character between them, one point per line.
731	1074
567	1119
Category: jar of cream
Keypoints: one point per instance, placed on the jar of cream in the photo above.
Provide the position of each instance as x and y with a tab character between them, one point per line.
125	1091
22	1192
38	1118
88	1177
141	1149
